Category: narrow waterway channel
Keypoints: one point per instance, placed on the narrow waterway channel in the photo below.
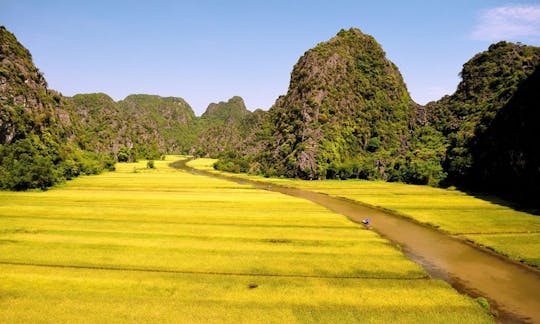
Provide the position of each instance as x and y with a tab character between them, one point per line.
513	289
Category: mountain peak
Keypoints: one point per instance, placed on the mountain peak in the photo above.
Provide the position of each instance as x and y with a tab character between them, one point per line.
343	93
234	108
17	71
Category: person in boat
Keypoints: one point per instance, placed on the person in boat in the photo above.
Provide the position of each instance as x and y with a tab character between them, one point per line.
366	221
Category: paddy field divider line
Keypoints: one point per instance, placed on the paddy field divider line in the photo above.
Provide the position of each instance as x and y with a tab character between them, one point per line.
208	273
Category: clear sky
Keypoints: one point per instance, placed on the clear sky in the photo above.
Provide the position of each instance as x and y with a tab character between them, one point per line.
210	50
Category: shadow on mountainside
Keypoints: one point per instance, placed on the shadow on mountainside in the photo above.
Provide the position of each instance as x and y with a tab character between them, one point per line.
507	153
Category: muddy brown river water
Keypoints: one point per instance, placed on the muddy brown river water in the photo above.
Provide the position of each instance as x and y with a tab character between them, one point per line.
512	289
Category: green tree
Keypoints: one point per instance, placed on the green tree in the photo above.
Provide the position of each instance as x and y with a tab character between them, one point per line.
124	154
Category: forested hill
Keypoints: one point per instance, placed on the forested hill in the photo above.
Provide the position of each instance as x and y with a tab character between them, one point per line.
347	114
46	138
36	149
227	129
346	105
140	126
490	123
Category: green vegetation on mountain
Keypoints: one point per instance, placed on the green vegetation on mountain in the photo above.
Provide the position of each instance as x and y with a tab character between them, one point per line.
218	127
147	126
165	121
346	105
228	130
226	112
490	121
46	138
94	118
507	154
35	128
346	114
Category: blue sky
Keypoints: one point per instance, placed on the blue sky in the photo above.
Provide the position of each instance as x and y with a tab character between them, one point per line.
210	50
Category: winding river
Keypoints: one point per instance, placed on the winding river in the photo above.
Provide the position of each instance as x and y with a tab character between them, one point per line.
512	289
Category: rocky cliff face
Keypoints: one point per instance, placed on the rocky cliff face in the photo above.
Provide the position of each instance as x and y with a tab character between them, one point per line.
345	101
27	105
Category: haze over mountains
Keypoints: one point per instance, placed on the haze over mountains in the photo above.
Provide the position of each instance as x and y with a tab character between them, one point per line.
347	114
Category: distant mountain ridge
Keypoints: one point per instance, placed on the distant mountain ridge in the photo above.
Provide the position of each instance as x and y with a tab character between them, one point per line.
347	114
150	125
147	124
227	129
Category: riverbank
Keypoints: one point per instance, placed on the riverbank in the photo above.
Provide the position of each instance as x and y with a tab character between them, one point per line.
508	232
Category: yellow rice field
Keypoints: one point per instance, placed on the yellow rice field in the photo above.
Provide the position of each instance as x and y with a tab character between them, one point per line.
160	245
513	233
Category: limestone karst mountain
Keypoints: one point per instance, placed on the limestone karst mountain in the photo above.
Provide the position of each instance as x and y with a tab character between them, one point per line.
346	103
347	114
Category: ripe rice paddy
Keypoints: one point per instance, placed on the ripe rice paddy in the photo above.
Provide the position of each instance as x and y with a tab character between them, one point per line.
162	245
510	232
